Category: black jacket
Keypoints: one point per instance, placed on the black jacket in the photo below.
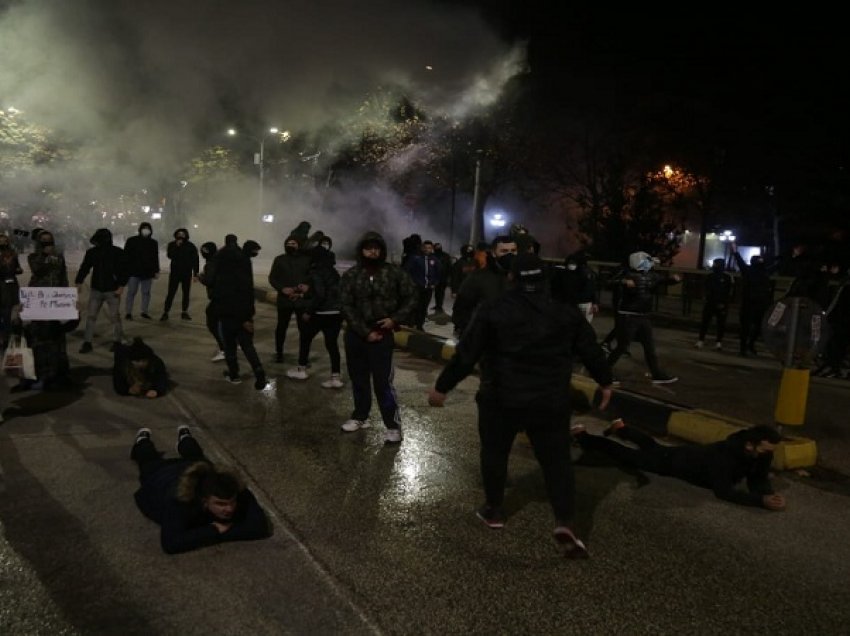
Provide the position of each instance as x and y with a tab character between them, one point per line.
576	286
156	376
638	299
187	526
757	287
142	253
479	286
230	280
718	287
324	285
107	263
526	343
185	260
720	466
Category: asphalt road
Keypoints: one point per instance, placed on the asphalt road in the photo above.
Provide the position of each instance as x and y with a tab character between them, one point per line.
372	539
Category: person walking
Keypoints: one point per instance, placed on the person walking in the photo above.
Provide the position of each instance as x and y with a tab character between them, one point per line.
208	252
142	252
638	285
108	267
526	343
376	297
185	265
718	293
230	277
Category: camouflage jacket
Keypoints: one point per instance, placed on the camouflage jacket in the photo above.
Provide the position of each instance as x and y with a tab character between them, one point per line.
367	298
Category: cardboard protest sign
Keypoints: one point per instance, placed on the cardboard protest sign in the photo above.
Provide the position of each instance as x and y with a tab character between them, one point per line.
48	303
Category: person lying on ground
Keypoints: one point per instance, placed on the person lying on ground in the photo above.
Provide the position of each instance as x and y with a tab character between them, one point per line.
195	503
138	371
746	454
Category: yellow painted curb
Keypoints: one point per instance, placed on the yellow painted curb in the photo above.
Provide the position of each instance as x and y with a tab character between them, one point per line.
585	385
703	427
447	352
401	338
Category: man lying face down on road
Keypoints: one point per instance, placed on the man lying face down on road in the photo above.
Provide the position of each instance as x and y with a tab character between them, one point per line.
719	466
195	503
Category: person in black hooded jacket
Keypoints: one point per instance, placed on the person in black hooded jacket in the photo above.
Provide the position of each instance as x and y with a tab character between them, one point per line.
142	252
230	278
108	266
138	371
746	454
526	344
185	265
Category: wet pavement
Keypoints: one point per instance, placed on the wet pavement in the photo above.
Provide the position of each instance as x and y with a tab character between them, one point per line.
376	539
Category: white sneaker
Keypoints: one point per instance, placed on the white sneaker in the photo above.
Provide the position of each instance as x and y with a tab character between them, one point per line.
349	426
698	344
298	373
218	357
334	383
393	436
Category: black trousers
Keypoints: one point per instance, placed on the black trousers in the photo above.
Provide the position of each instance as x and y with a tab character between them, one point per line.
751	317
710	310
439	296
329	325
175	281
284	315
212	326
631	327
234	333
422	302
549	434
649	454
150	459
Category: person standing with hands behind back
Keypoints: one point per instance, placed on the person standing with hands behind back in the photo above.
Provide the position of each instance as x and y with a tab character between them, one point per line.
185	265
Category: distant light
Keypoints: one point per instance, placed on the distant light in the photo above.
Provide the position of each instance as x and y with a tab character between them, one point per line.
12	110
156	216
284	136
268	218
668	171
184	183
428	67
273	130
231	131
195	226
146	209
498	220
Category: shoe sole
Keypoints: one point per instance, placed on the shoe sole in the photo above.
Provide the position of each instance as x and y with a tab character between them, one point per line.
180	437
362	426
493	525
671	381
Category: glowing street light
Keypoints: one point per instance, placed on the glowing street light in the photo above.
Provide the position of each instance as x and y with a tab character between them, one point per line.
260	156
498	220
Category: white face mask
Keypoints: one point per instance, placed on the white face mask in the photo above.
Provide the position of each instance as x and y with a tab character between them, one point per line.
146	232
572	267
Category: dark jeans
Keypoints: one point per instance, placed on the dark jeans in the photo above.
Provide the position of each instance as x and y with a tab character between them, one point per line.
212	326
150	460
178	280
638	328
422	302
439	296
751	317
232	333
649	454
372	361
284	315
709	311
549	434
329	325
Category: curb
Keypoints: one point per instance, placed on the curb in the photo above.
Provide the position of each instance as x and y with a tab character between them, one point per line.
659	418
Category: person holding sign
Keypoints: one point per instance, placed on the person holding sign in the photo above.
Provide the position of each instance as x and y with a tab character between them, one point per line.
47	337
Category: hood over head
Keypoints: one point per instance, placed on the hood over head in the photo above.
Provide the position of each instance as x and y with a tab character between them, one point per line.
641	261
208	249
139	350
101	237
144	225
181	230
366	239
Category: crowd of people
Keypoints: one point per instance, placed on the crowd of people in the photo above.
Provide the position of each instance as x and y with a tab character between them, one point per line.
523	322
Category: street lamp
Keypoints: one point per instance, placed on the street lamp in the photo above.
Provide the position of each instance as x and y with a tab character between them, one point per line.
727	238
260	156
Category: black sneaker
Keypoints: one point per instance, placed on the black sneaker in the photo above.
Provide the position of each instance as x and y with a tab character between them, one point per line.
142	435
182	433
86	348
164	316
146	316
185	316
233	379
261	382
575	548
128	317
493	517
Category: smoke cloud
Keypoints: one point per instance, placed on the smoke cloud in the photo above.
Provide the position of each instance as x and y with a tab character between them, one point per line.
144	86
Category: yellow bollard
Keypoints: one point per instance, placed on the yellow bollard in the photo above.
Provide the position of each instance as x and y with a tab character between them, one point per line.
793	395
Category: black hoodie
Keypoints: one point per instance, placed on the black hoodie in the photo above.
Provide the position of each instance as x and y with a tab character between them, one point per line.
106	262
142	254
185	260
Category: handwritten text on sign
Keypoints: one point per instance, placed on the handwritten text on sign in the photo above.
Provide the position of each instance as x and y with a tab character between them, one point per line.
48	303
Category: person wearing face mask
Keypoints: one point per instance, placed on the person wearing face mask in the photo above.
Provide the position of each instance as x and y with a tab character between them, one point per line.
756	298
9	270
142	253
138	371
376	297
638	285
484	284
575	283
108	267
718	293
185	265
290	278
